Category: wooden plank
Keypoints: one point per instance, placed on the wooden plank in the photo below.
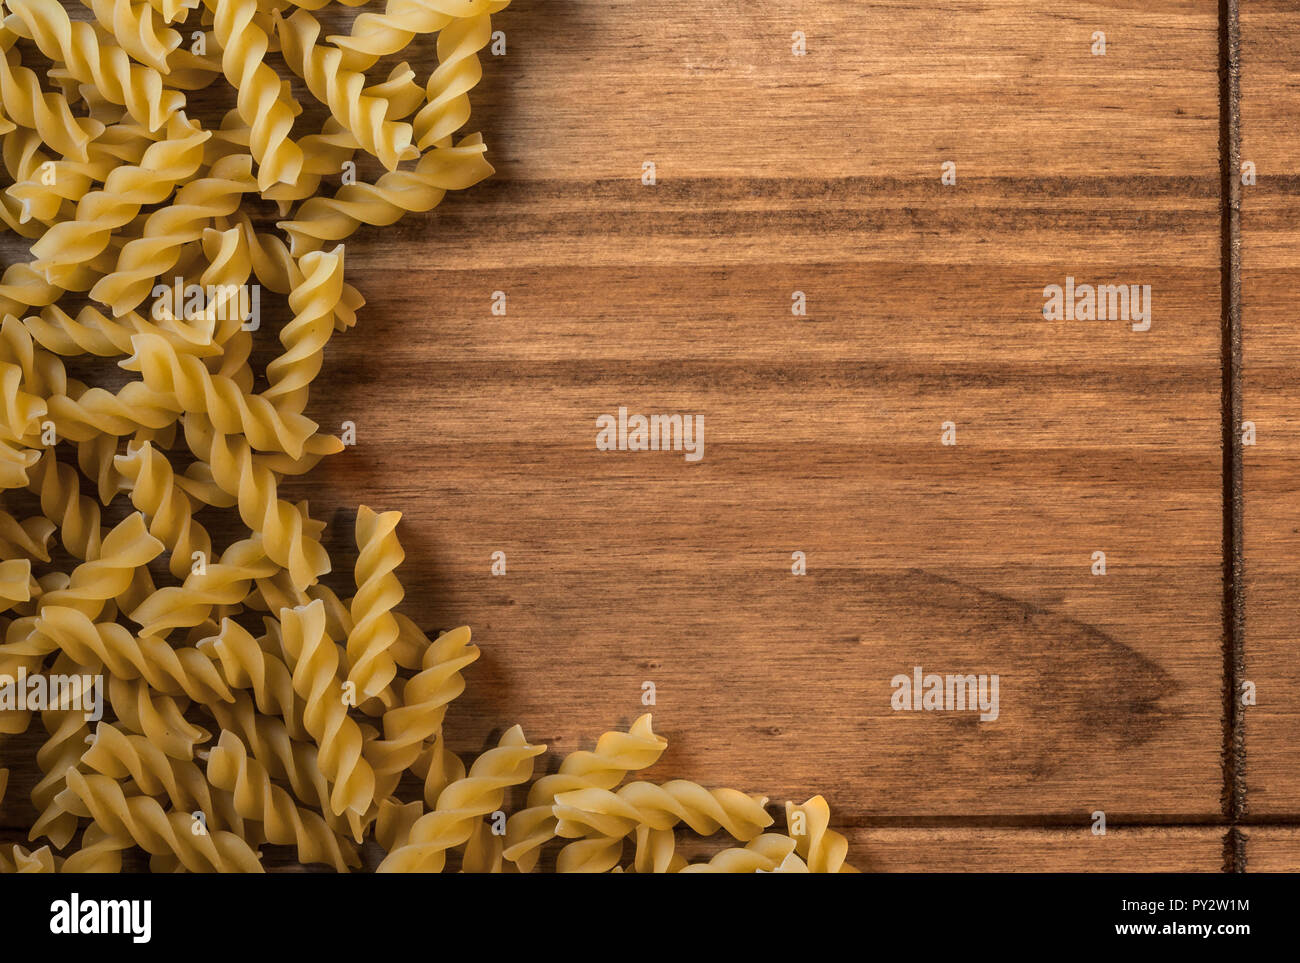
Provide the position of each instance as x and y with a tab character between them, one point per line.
1270	215
1152	849
1272	849
818	174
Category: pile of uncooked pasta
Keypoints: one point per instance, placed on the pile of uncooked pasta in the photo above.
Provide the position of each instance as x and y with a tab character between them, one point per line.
206	700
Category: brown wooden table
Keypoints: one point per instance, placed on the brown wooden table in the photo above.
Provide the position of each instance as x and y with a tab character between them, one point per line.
821	174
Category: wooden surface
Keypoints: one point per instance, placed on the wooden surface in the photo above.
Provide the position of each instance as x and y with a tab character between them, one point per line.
822	434
1270	261
821	174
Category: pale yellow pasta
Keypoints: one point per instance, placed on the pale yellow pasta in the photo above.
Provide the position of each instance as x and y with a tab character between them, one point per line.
188	386
28	539
376	35
823	849
48	114
93	59
370	664
616	754
142	820
149	479
16	583
599	819
248	663
126	190
315	300
396	193
168	670
139	708
223	581
362	115
137	28
96	581
284	822
424	701
159	426
166	231
447	92
313	658
463	803
263	102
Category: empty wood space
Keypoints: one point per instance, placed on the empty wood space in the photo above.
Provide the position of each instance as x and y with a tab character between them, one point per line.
1271	394
821	174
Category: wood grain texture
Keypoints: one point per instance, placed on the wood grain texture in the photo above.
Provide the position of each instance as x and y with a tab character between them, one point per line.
1270	222
821	174
1273	849
1137	850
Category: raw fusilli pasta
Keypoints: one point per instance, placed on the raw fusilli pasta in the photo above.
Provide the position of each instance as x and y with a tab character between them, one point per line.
148	549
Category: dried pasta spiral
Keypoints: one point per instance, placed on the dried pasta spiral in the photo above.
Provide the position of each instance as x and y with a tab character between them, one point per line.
314	660
223	691
145	823
616	754
463	803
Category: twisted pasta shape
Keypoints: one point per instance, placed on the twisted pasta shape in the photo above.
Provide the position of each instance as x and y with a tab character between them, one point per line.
28	539
313	658
823	849
374	631
121	756
159	718
447	92
377	35
285	760
220	583
92	332
91	58
168	229
23	860
188	386
171	671
246	664
99	853
75	515
766	853
125	549
285	824
656	851
236	472
315	300
142	820
126	190
57	758
323	219
152	484
83	412
32	203
135	27
616	754
463	803
20	411
46	113
425	698
262	103
16	583
582	812
364	117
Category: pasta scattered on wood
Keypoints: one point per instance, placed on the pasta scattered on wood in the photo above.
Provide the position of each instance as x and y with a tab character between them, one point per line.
203	698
